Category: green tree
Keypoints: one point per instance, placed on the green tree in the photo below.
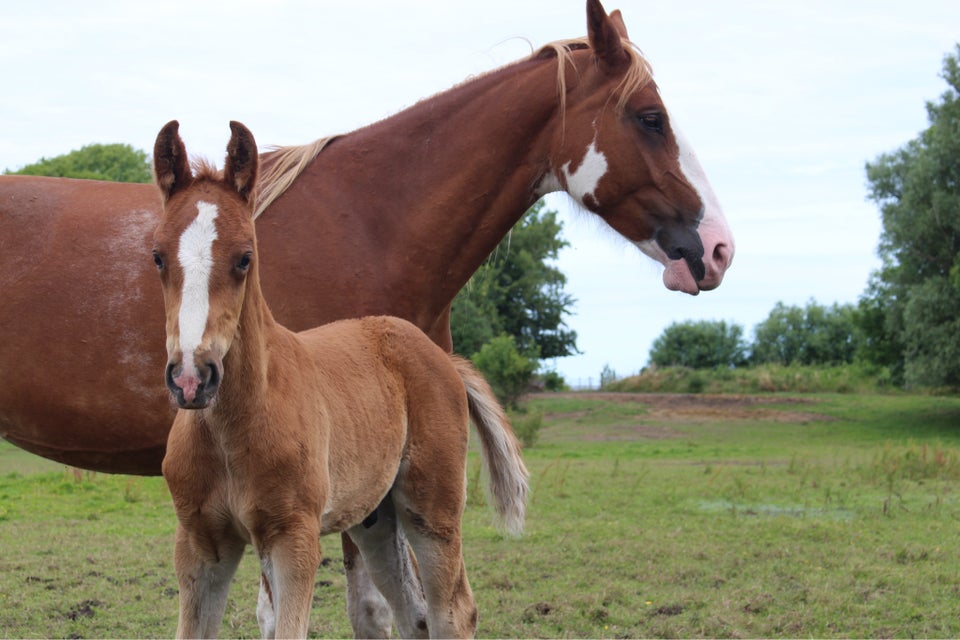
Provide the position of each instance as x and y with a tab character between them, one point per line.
809	335
518	292
701	344
910	306
115	162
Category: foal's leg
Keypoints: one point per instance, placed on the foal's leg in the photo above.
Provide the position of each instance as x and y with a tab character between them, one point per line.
392	570
429	498
289	563
204	571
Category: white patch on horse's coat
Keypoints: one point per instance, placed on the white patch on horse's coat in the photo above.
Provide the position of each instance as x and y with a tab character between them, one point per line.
582	182
196	259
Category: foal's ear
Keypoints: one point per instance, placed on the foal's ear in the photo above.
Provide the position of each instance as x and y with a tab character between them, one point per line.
240	169
606	35
171	167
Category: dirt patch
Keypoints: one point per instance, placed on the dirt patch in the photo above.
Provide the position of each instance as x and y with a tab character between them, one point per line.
696	408
85	609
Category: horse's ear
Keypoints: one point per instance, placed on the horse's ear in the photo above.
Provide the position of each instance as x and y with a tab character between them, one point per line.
617	19
240	169
171	167
606	38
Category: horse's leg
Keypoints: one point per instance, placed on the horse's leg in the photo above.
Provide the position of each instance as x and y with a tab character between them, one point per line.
266	612
288	567
392	570
429	497
370	614
204	576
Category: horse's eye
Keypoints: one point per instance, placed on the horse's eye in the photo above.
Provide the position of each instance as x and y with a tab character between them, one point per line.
158	260
652	122
244	263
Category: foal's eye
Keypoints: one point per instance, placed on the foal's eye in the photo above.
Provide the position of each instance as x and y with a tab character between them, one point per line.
158	260
651	122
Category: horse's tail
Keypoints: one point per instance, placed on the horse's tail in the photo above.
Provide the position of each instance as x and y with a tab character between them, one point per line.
508	487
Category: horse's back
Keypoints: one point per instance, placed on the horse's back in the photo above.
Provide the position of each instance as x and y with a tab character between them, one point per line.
76	298
378	344
388	358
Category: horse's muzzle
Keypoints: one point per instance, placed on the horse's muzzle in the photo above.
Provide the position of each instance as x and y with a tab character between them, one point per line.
193	389
681	243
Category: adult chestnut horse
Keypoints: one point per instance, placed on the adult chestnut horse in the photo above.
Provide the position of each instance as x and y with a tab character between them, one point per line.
285	436
390	219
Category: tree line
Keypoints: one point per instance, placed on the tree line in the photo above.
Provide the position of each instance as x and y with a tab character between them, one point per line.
811	335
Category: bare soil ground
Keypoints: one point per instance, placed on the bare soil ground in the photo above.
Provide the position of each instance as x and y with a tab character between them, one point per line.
666	411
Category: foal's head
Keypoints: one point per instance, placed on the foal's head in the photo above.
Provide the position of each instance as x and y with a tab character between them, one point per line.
204	249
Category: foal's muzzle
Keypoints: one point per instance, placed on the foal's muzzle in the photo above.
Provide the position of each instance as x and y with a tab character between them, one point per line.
193	389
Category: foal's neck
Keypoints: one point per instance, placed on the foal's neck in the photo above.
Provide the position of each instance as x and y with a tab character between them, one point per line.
244	387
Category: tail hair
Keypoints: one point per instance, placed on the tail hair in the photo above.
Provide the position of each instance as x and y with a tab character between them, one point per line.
508	487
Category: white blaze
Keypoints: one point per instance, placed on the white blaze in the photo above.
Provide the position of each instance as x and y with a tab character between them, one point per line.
696	176
196	258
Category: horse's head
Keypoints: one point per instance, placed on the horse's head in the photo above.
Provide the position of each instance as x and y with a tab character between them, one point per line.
618	154
204	249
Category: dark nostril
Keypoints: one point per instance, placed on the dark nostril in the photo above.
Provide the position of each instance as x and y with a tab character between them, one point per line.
168	375
213	376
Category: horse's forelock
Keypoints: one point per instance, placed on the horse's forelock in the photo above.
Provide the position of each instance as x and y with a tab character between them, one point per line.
638	75
204	169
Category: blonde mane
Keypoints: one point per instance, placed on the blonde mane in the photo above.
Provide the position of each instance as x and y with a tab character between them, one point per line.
287	163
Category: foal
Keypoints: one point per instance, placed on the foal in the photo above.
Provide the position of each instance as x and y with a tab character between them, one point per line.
283	437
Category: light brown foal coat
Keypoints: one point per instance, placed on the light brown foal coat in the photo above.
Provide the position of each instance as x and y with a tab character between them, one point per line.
287	436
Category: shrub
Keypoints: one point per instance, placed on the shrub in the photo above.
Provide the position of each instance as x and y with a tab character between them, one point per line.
527	428
507	370
699	344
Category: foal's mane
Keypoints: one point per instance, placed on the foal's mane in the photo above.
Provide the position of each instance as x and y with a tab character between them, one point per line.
287	163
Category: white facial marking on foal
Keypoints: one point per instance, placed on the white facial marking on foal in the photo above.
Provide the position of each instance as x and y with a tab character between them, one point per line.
196	258
583	182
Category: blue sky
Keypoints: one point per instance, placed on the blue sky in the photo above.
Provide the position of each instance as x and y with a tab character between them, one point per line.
783	102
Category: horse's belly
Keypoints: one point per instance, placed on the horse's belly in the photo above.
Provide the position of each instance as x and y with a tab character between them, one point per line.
81	324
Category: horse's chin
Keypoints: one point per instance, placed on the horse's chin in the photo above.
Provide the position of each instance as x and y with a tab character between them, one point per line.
193	406
201	401
677	277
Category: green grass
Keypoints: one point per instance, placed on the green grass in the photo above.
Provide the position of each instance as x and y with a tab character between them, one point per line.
641	524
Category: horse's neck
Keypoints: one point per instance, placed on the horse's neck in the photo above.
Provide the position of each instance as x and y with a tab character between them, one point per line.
243	390
446	179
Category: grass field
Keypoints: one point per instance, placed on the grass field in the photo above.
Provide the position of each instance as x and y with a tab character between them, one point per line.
652	515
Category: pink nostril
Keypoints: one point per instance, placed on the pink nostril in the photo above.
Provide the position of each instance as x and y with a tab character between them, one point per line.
721	256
